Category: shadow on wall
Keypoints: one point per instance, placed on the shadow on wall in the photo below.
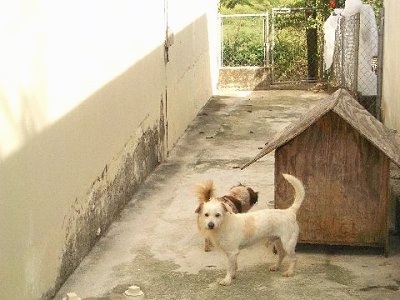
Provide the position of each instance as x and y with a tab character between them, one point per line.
61	191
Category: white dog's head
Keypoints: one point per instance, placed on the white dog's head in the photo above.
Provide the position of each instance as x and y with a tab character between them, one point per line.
212	213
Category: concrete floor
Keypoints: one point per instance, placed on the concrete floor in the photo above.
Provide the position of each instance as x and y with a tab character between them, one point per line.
155	244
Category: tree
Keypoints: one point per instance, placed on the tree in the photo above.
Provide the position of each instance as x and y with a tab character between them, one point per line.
232	3
320	4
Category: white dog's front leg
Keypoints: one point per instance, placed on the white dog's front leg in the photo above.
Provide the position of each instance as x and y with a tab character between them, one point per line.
231	269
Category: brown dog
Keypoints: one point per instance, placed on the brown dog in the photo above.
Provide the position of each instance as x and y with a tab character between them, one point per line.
240	199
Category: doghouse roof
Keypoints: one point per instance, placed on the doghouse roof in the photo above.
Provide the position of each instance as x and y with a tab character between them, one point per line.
343	104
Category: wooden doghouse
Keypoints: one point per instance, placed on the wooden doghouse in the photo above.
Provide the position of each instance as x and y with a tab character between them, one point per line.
342	155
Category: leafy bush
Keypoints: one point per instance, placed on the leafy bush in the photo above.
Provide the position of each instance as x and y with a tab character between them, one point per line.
243	51
243	42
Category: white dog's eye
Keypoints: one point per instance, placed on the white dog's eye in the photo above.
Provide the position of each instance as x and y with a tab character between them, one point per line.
217	215
206	215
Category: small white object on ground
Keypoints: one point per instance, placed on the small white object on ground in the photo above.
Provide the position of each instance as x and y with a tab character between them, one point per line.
71	296
134	291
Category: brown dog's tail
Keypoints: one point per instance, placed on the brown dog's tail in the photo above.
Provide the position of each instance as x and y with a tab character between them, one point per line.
204	191
299	192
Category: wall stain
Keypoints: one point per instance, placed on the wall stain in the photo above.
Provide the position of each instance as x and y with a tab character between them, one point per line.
89	218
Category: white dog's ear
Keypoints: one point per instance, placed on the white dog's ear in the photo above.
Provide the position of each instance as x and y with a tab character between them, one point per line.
198	209
227	207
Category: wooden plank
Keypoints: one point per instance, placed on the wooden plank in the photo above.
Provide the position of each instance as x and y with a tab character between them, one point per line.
346	180
371	128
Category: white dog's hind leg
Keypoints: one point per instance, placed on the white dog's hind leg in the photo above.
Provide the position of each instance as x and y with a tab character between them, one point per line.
292	264
281	255
232	267
290	247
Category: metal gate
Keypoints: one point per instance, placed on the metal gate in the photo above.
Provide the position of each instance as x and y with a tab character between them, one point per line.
295	47
285	43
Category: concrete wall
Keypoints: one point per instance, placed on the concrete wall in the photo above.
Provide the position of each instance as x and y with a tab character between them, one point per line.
391	66
89	106
245	78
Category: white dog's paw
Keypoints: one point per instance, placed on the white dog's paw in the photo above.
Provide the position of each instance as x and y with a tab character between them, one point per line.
226	281
288	273
274	268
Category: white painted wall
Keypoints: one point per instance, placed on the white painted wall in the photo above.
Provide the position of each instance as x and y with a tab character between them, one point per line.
189	60
391	66
80	82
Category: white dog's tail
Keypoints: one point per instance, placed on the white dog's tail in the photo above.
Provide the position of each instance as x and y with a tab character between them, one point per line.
299	191
204	191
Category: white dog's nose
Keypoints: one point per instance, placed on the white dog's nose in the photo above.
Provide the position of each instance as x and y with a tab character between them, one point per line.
210	225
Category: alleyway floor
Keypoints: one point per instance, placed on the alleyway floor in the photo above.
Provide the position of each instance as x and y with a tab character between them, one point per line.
155	244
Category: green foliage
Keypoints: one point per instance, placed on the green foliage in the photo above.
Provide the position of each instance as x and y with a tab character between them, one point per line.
250	6
255	6
230	4
243	52
243	42
290	50
289	54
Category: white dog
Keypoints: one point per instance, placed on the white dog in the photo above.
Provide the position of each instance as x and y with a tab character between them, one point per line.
231	232
240	198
